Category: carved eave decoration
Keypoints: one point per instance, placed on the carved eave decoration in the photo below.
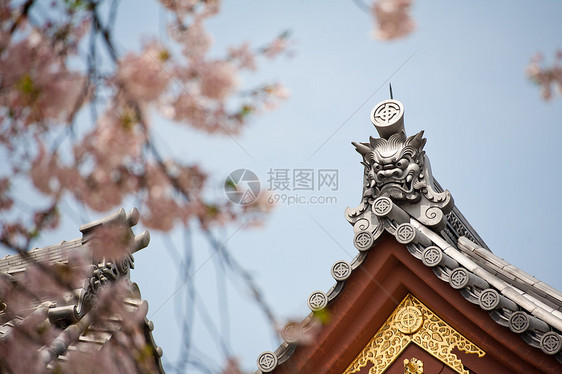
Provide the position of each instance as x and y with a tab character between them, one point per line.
413	322
395	168
75	305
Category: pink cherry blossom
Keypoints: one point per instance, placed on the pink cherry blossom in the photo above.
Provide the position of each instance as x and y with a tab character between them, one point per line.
243	57
278	46
218	79
202	113
546	78
393	19
117	138
162	210
144	76
194	39
43	171
275	94
35	84
112	242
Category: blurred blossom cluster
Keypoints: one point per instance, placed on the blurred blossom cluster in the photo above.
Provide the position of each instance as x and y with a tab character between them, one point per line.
77	114
392	18
549	79
54	70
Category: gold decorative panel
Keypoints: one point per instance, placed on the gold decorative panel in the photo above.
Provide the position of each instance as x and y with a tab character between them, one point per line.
413	322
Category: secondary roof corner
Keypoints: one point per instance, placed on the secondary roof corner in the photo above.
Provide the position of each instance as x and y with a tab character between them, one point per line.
72	315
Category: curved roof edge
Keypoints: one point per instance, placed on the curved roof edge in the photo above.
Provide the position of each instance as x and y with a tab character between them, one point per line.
401	197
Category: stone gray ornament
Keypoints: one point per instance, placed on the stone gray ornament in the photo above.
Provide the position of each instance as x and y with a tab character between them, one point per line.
405	233
388	117
551	343
489	299
459	278
341	270
396	167
317	301
519	322
267	362
432	256
363	240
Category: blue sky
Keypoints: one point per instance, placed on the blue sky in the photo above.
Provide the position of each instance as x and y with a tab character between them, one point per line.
492	141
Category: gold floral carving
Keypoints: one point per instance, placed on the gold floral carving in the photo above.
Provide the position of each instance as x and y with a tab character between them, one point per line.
413	322
413	366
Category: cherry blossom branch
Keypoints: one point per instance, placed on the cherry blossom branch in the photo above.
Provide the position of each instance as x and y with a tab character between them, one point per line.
244	275
25	8
99	28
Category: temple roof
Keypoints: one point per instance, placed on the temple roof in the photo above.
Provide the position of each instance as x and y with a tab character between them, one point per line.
402	198
75	320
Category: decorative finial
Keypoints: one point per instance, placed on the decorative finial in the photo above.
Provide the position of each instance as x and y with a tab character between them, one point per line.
388	117
397	183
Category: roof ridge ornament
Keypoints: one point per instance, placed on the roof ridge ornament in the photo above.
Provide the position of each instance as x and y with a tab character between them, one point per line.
396	168
388	117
